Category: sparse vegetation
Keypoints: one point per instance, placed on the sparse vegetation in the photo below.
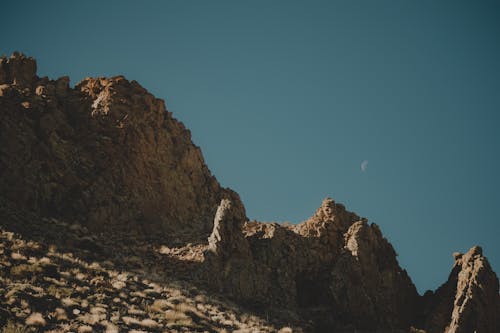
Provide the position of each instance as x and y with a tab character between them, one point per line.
60	292
12	327
25	271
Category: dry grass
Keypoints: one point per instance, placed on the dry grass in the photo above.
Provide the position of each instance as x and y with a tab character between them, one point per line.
85	329
74	295
12	327
25	271
175	315
130	321
159	305
36	319
149	323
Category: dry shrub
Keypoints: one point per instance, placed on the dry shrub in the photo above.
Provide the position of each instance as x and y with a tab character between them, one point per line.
159	305
130	321
36	319
149	323
286	330
25	271
177	318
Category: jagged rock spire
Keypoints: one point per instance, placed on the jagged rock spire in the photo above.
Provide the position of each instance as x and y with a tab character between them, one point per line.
468	301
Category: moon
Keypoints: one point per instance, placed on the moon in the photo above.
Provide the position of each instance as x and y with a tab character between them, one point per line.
364	165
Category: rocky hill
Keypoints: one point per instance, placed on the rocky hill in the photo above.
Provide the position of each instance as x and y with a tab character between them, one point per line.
111	221
105	153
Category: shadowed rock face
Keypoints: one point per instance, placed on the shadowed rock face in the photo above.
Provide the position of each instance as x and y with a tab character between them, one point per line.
368	284
107	154
469	300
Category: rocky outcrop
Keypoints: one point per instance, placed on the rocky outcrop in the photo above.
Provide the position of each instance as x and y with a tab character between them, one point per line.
367	284
469	300
334	268
18	70
340	272
105	153
229	268
227	239
104	171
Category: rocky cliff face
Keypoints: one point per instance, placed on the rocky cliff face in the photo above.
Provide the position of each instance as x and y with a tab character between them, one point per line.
106	159
106	153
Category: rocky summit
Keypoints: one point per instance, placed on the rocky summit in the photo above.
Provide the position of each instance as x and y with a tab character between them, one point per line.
110	221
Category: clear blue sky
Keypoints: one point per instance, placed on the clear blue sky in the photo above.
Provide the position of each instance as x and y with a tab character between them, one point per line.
287	98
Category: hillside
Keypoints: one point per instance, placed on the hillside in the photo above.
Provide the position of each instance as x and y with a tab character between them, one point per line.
111	221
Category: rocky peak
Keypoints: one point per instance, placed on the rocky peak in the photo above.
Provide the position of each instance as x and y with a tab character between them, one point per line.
330	220
476	299
106	153
121	102
326	212
18	70
469	300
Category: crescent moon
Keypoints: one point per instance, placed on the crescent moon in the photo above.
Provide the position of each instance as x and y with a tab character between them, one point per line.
364	165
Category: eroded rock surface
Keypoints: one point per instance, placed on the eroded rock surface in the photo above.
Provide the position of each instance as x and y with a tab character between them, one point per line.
106	153
469	301
368	285
334	267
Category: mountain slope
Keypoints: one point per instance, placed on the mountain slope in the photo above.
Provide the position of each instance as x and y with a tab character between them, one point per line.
44	288
104	172
106	153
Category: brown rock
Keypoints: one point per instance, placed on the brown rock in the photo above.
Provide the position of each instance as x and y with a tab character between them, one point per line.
367	283
228	259
227	237
106	153
18	70
469	300
347	272
108	165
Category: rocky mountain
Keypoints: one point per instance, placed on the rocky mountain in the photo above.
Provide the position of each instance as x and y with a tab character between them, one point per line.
106	153
111	221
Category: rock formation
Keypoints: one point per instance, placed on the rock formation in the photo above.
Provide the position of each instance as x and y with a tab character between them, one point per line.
107	164
334	265
106	153
469	300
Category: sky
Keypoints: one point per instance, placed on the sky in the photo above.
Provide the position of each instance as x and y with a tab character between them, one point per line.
390	107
